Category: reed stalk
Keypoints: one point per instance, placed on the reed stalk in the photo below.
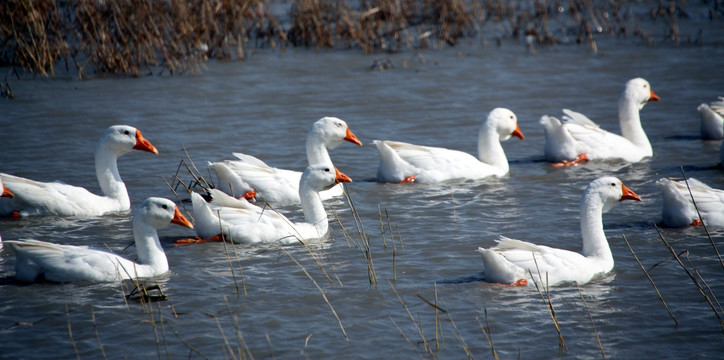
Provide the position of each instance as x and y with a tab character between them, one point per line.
651	280
438	328
488	335
242	347
706	230
382	226
598	339
549	303
189	346
95	330
418	327
227	344
70	331
402	333
706	285
228	257
324	296
149	37
459	336
363	240
692	277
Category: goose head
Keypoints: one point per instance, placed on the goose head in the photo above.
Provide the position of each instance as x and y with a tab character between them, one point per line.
505	123
609	191
333	131
323	176
122	139
159	212
639	92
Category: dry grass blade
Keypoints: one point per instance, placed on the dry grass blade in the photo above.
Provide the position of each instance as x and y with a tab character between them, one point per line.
402	333
363	240
191	347
95	330
676	322
459	336
70	331
549	303
701	278
339	321
412	318
598	339
691	276
488	335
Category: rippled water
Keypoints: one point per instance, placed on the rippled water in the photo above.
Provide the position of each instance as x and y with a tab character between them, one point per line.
264	106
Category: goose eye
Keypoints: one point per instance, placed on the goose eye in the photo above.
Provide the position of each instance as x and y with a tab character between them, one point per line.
613	184
127	132
326	170
164	206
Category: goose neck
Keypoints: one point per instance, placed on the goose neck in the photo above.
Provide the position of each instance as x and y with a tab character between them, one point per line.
490	151
149	250
313	208
106	162
317	150
630	122
595	243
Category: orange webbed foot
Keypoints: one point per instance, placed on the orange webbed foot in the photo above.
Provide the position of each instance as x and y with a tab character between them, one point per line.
249	196
581	158
197	240
519	282
696	222
409	179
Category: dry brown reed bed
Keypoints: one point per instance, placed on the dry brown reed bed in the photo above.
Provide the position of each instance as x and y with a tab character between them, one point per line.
140	37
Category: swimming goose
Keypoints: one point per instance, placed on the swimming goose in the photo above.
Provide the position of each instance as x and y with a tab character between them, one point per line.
577	134
56	198
678	210
242	222
510	261
281	186
712	120
68	263
403	162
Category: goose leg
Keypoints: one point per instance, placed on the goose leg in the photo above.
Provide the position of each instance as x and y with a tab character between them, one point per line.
198	240
409	179
582	157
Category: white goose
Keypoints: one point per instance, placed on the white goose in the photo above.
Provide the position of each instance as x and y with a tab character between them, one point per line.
56	198
712	120
511	260
68	263
577	134
242	222
280	186
403	162
678	210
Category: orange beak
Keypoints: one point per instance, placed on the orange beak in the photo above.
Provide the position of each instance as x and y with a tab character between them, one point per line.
654	97
628	194
352	138
143	144
7	193
340	177
179	219
517	133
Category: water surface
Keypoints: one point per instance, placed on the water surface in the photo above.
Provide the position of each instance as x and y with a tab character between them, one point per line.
264	106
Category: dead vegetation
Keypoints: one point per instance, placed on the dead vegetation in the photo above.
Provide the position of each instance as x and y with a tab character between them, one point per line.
143	37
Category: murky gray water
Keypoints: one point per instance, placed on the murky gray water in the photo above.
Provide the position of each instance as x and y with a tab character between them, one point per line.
264	107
